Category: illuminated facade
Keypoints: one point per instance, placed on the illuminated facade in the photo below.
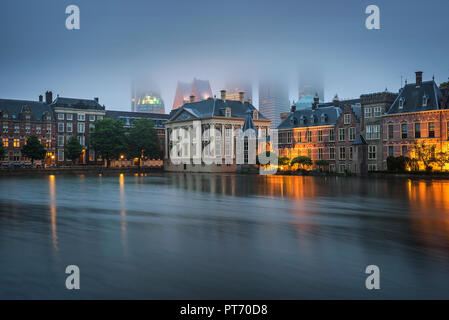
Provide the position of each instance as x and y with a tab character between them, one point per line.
198	89
419	114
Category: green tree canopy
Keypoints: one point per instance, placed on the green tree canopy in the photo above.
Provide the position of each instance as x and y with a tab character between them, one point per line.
142	140
442	159
73	149
108	139
425	153
2	150
302	161
33	149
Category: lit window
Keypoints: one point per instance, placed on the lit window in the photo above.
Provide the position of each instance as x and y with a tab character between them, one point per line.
5	142
16	143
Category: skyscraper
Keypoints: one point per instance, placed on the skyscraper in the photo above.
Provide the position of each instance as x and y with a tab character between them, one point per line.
200	89
311	83
145	97
273	100
233	89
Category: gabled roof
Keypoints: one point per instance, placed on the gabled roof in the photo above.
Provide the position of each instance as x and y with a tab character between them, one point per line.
412	97
249	123
15	107
215	108
75	103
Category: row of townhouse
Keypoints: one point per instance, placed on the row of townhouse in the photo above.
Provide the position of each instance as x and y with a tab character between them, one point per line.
358	135
54	121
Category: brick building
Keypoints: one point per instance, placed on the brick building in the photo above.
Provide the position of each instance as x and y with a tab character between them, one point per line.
419	113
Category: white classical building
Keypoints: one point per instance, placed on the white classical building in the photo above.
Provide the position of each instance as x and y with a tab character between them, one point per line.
204	136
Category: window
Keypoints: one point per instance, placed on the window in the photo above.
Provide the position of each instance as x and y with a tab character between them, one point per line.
92	128
347	118
417	130
38	129
320	153
27	129
289	137
425	99
367	112
431	127
228	112
82	140
69	116
331	153
372	152
372	132
320	135
99	117
27	117
5	142
92	117
5	128
255	114
447	129
404	150
298	136
60	127
404	130
48	128
342	155
309	136
342	168
390	131
351	153
309	153
341	134
332	167
401	103
80	127
377	111
391	151
69	127
372	167
16	128
60	154
60	116
16	143
331	135
351	134
60	141
81	117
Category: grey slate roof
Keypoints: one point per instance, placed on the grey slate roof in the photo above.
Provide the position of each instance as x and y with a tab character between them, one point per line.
249	123
15	107
128	116
328	114
61	102
215	108
413	98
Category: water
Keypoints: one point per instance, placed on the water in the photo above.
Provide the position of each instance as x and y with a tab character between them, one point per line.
207	236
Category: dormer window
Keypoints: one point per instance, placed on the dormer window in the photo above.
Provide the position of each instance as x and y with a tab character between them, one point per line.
228	112
401	103
323	117
425	99
302	120
312	119
255	114
5	116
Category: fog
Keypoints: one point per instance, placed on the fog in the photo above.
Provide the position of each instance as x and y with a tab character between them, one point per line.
168	41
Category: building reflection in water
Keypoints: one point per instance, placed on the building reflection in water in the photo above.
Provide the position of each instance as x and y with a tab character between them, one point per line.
123	222
52	193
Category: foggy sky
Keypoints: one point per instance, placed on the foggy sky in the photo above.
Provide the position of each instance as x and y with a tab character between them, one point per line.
172	40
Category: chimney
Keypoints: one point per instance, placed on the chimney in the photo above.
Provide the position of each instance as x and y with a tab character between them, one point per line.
96	100
418	78
192	98
48	97
316	101
293	108
242	96
250	101
223	95
41	98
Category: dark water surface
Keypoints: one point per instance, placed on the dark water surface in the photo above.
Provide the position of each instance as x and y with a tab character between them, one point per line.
223	236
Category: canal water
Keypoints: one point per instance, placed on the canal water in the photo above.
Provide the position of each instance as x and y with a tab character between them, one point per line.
207	236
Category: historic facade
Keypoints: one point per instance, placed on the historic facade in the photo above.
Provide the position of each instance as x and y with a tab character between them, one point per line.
329	131
419	113
198	123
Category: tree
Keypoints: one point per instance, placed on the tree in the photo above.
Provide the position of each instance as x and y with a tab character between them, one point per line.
108	139
444	84
442	158
2	150
33	149
73	149
321	164
425	153
302	161
398	163
283	161
142	140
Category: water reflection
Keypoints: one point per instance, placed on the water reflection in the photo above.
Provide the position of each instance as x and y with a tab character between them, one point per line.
52	194
123	222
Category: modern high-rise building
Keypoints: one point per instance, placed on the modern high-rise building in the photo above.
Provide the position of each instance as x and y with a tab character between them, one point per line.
199	89
310	84
234	88
148	101
273	100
